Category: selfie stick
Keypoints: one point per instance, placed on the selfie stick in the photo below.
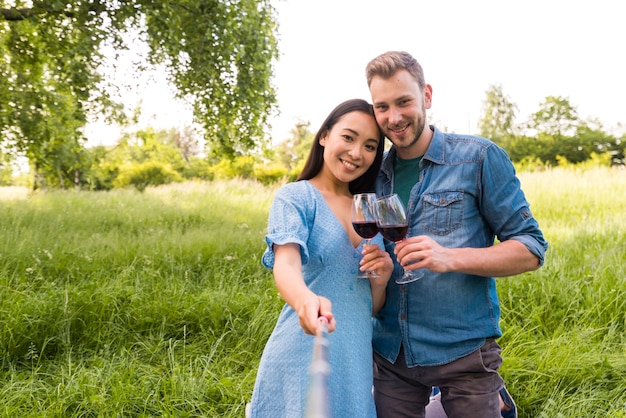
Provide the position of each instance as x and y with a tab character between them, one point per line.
317	401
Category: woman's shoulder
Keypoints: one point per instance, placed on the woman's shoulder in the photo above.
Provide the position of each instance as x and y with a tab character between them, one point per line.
297	189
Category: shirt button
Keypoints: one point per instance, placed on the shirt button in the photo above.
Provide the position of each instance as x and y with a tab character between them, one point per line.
403	317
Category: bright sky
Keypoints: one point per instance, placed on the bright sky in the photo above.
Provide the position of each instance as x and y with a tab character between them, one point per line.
534	49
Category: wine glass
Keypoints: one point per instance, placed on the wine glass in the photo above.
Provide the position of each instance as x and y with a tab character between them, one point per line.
364	221
393	225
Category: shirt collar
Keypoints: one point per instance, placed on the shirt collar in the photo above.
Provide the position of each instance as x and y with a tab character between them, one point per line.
434	153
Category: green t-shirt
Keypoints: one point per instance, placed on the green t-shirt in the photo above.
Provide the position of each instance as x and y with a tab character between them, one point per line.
406	174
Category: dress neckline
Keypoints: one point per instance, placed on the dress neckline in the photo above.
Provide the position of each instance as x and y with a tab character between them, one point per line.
339	224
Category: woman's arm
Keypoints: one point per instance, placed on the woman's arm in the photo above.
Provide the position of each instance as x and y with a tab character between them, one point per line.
291	286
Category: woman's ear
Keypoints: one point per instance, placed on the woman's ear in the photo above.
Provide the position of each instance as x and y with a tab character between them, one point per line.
322	140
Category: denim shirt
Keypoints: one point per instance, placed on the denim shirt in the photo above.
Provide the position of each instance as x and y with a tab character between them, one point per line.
467	195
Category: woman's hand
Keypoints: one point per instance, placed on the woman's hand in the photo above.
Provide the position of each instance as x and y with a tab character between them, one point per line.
310	308
378	260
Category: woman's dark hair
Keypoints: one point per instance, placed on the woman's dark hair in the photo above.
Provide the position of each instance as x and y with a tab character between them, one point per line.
315	160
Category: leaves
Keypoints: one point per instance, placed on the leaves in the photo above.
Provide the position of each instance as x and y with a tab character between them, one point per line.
219	55
498	120
223	64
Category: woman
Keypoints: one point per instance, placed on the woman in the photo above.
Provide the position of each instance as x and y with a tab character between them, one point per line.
315	255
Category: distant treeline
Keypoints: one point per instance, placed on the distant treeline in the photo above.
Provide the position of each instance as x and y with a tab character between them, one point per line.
554	136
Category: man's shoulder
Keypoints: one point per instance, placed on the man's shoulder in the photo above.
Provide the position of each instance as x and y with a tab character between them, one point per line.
454	138
453	147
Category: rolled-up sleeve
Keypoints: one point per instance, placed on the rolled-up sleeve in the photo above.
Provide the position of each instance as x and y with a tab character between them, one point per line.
288	223
506	207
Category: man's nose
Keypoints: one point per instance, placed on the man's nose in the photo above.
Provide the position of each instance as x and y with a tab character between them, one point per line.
394	115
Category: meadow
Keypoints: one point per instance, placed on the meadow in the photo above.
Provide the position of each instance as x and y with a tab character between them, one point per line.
155	304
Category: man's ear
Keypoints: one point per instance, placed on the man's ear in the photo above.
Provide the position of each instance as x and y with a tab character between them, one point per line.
428	96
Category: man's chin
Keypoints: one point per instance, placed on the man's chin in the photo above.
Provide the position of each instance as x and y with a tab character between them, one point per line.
401	142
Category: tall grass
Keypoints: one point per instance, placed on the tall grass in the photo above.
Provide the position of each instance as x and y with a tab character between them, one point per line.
128	304
564	342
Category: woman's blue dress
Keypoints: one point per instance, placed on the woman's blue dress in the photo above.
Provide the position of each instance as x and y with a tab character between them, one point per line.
299	214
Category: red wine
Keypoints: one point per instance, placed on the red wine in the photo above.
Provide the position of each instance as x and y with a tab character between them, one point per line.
366	230
394	233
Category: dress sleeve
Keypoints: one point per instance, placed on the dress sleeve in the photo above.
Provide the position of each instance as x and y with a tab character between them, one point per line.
288	222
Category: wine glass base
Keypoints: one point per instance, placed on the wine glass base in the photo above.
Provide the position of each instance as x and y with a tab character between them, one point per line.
367	275
409	277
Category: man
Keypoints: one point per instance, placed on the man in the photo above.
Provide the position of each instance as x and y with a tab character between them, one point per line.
462	193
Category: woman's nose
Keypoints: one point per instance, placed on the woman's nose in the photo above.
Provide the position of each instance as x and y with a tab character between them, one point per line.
355	152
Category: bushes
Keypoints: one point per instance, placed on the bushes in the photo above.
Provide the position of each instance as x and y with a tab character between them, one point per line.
149	173
248	167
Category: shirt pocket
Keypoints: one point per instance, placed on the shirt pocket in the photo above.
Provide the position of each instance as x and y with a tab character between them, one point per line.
442	211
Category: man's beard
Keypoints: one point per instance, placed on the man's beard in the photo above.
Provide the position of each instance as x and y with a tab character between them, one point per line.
420	125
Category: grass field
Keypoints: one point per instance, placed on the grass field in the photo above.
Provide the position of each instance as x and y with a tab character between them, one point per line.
127	304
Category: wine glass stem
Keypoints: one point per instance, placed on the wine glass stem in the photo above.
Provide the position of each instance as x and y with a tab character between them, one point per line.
369	273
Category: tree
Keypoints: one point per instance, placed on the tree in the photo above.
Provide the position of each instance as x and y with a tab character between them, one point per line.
498	120
139	155
292	152
556	124
219	55
555	117
591	139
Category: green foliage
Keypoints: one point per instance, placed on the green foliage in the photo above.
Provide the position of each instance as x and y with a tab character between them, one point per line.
197	168
530	164
282	163
219	55
6	170
293	151
148	173
103	176
48	57
150	145
597	160
498	120
269	174
594	161
554	132
242	166
222	60
139	154
556	117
